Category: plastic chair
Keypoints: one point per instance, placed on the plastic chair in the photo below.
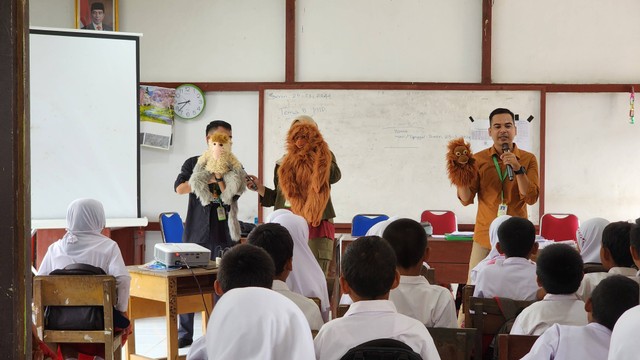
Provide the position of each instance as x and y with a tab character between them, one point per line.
362	222
559	227
442	221
171	227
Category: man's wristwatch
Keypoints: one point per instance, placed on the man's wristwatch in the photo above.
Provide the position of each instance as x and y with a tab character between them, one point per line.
521	171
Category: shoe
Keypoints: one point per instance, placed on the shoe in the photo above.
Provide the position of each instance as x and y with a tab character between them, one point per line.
184	342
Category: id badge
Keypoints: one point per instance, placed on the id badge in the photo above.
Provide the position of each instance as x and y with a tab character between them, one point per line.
287	204
221	213
502	209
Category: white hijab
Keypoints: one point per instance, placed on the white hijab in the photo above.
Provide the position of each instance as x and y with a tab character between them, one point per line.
589	237
84	244
307	278
274	329
493	254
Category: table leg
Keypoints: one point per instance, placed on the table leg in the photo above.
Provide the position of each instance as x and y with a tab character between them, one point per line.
172	319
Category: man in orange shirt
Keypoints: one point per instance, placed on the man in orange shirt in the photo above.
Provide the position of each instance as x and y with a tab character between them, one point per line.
497	195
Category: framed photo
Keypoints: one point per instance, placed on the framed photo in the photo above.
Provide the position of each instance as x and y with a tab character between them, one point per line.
100	15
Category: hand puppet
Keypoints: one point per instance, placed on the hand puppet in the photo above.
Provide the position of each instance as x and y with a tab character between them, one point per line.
461	166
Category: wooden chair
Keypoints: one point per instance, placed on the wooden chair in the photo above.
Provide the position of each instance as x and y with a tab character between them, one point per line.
78	290
467	294
487	317
514	347
455	344
429	274
342	309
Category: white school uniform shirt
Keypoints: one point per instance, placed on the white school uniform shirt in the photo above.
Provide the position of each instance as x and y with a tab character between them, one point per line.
84	244
369	320
513	278
591	280
553	309
260	324
308	306
624	339
432	305
566	342
306	278
494	254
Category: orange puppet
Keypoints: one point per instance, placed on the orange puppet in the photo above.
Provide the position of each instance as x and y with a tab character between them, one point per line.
461	166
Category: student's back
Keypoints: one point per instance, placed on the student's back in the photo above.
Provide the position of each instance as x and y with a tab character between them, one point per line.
369	272
432	305
515	276
559	270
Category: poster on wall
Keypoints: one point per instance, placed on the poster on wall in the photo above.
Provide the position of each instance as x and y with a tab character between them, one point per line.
156	116
99	15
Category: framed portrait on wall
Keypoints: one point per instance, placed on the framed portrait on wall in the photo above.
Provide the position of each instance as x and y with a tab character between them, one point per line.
100	15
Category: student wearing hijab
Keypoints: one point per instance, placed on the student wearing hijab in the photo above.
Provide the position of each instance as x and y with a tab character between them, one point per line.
589	236
494	254
83	243
306	278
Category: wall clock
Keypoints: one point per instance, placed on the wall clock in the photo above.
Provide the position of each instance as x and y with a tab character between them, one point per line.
189	101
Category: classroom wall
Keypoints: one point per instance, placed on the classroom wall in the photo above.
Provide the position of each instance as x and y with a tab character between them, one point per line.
544	41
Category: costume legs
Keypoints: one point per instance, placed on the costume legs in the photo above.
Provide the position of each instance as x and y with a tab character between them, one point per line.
322	249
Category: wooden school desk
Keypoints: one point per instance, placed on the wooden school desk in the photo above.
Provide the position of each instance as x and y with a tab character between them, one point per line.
449	258
168	293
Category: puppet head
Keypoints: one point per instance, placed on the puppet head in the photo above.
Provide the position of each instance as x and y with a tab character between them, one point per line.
461	166
218	143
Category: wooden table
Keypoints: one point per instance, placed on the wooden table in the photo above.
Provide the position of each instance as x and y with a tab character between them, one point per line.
168	293
449	258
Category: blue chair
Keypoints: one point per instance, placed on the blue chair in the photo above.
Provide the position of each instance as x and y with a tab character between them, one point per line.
361	223
171	227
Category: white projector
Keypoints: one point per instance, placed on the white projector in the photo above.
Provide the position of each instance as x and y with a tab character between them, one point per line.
182	254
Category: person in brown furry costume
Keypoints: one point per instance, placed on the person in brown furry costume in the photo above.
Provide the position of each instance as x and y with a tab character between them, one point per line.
303	178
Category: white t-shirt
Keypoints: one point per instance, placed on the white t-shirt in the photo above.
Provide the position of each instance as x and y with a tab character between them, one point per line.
566	342
370	320
553	309
513	278
308	306
591	280
624	339
432	305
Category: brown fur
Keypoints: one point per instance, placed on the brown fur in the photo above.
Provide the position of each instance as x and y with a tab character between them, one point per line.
304	173
461	166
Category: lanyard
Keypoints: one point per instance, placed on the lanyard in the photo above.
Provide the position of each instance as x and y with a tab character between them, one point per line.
501	176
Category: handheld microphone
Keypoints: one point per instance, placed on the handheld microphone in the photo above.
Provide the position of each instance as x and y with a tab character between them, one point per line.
505	149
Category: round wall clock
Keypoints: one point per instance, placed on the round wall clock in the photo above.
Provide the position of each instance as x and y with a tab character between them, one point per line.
189	101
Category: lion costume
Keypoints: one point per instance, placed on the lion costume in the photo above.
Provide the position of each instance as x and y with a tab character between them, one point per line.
461	166
218	159
304	173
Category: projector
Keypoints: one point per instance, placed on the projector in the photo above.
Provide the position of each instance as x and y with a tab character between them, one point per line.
181	254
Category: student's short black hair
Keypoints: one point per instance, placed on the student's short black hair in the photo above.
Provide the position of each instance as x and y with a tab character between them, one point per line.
516	237
559	269
408	239
276	240
245	265
369	267
616	238
612	297
634	236
216	124
499	111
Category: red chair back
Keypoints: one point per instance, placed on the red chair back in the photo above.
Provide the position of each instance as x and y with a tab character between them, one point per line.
559	227
442	221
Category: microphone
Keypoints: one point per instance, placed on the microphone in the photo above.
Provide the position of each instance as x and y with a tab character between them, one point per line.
506	149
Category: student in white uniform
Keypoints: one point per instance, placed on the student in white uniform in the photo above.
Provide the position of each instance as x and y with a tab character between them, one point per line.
84	243
432	305
610	299
494	254
515	276
589	236
615	257
559	270
306	278
624	338
368	274
275	240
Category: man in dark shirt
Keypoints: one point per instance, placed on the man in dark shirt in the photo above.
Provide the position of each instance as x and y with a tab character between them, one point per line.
205	225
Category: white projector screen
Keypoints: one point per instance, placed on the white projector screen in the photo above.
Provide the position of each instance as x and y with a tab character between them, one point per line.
84	122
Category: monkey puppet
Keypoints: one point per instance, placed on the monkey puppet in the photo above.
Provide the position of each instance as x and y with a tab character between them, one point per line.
218	159
461	166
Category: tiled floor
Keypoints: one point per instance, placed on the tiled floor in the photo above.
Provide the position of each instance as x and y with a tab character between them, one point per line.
151	336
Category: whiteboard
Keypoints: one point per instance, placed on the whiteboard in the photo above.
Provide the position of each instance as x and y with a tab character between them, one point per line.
84	122
591	163
391	145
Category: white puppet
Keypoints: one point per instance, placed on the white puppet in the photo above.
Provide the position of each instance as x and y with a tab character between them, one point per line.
218	159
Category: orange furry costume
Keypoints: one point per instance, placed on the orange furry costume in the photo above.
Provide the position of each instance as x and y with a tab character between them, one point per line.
304	173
